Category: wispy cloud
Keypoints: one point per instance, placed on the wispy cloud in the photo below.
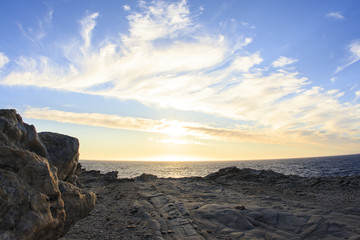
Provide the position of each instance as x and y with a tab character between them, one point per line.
37	33
126	7
87	25
335	15
181	131
357	93
283	61
3	59
166	60
168	127
354	50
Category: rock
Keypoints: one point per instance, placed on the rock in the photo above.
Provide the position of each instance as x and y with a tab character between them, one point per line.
111	176
234	173
78	203
218	215
30	201
63	152
74	180
146	177
34	201
15	133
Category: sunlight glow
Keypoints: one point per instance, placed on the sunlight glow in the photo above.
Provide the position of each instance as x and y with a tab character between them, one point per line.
174	158
175	129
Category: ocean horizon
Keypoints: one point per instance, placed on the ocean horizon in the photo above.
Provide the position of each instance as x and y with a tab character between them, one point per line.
327	166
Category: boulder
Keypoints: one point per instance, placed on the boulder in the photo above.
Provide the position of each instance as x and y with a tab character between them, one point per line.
36	199
63	152
31	206
78	203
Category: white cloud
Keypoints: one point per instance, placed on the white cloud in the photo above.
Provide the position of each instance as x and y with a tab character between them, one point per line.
169	127
87	25
283	61
158	21
246	24
335	15
197	132
244	63
3	60
38	32
354	49
357	93
166	60
127	7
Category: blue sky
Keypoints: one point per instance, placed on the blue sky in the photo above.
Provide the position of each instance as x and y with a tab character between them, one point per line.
180	80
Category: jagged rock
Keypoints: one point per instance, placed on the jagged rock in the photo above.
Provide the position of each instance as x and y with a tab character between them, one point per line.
63	152
34	204
14	132
146	177
234	173
78	203
30	201
111	176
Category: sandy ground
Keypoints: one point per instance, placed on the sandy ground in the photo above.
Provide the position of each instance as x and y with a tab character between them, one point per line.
231	204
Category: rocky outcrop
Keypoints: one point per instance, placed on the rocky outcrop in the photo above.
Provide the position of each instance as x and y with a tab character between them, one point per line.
36	201
30	200
15	133
78	203
63	152
325	189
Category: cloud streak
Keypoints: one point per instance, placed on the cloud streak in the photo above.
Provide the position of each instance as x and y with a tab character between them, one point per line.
283	61
354	50
335	15
195	133
3	60
87	26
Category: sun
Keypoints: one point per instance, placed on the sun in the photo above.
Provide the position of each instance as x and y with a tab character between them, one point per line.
175	129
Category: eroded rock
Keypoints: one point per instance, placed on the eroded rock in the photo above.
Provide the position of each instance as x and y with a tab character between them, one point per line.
30	201
34	203
78	203
63	152
15	133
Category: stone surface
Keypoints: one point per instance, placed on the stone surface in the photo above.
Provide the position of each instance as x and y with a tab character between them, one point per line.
14	132
78	203
30	201
232	204
63	152
34	202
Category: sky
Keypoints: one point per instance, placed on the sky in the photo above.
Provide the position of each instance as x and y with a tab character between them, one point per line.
186	80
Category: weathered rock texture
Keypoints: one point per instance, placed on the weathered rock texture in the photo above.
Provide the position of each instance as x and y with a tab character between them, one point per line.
63	152
36	202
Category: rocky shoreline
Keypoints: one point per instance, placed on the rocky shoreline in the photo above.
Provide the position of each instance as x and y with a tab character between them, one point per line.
45	194
229	204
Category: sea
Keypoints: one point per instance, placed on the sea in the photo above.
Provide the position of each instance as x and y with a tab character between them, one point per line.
346	165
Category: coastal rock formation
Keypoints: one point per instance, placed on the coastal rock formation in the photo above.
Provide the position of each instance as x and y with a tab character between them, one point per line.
78	203
63	152
34	203
15	133
229	204
331	190
30	200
